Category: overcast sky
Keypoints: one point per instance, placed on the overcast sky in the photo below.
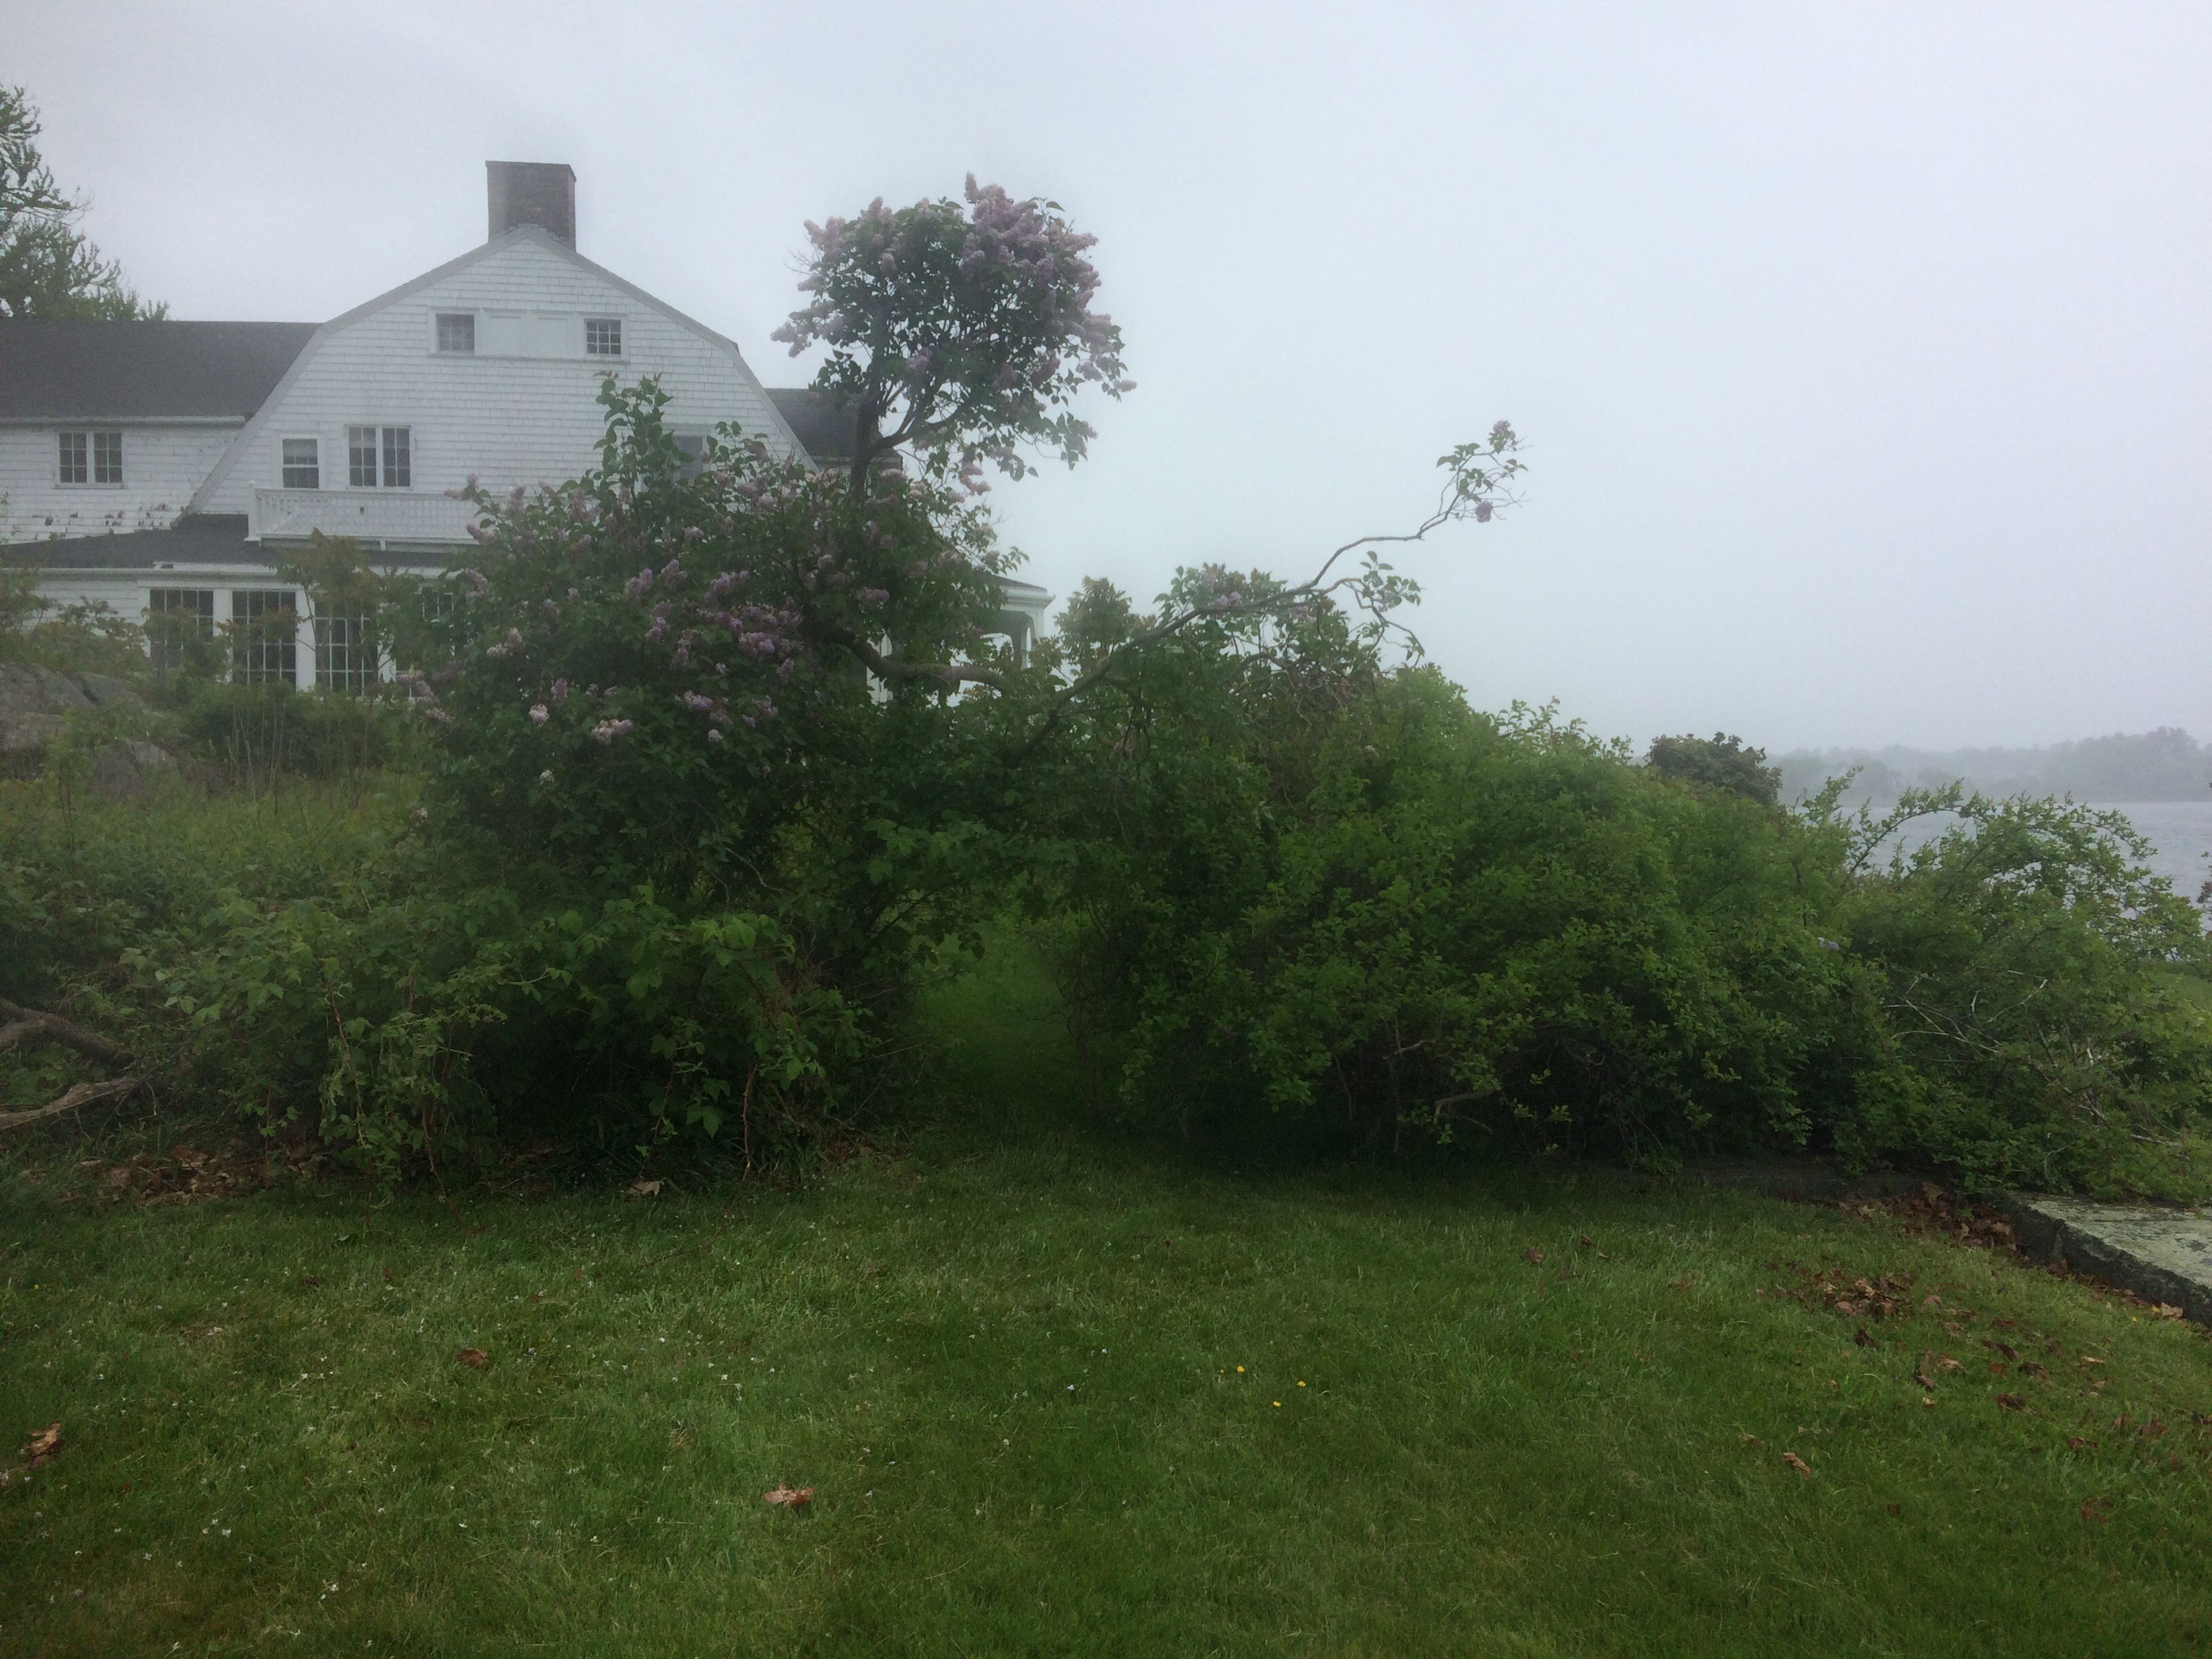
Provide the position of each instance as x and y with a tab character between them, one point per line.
1864	353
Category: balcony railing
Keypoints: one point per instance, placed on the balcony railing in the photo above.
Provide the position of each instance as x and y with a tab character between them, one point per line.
384	516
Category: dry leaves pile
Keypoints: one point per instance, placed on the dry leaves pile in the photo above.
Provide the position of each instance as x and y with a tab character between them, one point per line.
186	1174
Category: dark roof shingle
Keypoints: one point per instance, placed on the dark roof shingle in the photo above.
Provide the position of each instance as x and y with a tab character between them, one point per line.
195	538
121	371
818	421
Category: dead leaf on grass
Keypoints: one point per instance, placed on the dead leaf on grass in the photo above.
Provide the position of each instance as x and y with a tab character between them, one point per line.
2164	1310
642	1190
2077	1443
475	1358
1751	1439
1860	1337
309	1281
1894	1509
1533	1257
1798	1464
2004	1348
2096	1509
1996	1368
789	1498
2012	1402
40	1448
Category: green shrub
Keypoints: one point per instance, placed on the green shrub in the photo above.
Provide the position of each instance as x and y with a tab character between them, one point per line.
2042	1017
256	733
1302	902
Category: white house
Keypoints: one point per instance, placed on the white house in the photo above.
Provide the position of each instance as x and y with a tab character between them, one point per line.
162	466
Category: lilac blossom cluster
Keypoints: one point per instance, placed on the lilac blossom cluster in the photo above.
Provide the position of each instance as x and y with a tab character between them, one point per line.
964	329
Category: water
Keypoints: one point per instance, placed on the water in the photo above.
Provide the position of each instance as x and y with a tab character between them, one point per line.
2181	829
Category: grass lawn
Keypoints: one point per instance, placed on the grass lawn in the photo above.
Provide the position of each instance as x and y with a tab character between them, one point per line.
1059	1397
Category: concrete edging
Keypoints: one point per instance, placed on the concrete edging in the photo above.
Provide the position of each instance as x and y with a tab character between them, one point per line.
2160	1253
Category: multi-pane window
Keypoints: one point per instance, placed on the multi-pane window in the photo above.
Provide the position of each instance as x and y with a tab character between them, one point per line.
602	337
345	653
264	636
361	456
456	332
380	454
91	457
175	618
397	457
303	463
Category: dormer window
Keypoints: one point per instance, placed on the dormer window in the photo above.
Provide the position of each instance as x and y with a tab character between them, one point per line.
603	336
91	457
457	333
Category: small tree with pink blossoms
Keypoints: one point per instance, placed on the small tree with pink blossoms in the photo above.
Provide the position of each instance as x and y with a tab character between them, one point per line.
961	335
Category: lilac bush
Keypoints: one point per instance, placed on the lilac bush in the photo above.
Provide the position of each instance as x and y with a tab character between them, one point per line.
960	334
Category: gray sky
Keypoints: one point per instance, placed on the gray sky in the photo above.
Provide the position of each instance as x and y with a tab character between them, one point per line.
1863	352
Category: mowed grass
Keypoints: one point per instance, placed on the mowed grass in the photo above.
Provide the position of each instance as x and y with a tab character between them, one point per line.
1054	1396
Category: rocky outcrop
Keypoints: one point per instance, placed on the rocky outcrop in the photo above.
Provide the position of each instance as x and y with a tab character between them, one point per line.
36	705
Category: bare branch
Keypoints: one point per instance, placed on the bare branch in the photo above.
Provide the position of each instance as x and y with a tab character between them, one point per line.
26	1023
84	1094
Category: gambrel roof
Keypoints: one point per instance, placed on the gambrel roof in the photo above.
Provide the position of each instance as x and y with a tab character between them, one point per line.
530	234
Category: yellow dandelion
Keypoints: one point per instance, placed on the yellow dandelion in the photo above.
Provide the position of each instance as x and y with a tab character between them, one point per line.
1278	1402
1240	1368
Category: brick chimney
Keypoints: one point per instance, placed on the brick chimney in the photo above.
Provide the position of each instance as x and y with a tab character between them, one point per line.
541	193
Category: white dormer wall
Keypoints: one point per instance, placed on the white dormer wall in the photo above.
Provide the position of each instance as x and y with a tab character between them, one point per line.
521	409
163	463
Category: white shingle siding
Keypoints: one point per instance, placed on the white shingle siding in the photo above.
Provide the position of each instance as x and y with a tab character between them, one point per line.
522	410
162	464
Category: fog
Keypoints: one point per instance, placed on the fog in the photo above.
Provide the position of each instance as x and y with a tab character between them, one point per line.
1864	353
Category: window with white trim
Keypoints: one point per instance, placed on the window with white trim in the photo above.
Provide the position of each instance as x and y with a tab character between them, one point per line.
694	446
94	457
265	635
457	333
303	463
175	616
379	456
603	336
345	653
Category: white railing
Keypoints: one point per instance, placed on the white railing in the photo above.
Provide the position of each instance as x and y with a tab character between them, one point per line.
370	515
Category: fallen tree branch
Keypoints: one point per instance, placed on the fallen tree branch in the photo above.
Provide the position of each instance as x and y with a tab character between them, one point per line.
84	1094
25	1022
